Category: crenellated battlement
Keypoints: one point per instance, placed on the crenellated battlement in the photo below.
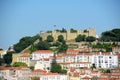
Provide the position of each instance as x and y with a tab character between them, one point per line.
68	35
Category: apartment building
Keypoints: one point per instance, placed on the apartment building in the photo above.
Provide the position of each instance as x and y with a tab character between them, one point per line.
105	60
53	76
24	59
15	73
40	54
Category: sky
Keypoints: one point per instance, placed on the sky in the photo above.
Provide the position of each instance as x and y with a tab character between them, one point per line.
20	18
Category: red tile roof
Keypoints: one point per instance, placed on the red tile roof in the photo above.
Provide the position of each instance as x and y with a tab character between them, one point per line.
46	74
72	69
73	51
27	56
76	74
46	59
39	70
86	77
80	50
5	68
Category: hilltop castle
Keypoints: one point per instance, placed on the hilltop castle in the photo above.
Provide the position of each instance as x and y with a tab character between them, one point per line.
68	35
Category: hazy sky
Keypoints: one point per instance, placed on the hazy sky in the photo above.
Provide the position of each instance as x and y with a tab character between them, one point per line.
19	18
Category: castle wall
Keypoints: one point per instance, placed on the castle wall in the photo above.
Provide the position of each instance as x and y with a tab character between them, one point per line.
68	35
71	36
55	34
92	32
44	35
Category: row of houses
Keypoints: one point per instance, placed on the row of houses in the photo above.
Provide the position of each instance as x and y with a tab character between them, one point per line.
85	56
78	64
72	58
24	73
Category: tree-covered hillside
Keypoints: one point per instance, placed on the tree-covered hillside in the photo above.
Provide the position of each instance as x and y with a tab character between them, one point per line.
25	42
111	35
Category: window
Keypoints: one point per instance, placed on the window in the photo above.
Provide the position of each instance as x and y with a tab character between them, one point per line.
110	57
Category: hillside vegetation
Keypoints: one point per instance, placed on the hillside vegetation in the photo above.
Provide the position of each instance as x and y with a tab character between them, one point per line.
61	46
25	42
111	35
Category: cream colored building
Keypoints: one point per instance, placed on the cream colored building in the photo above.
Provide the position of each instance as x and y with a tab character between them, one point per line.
23	57
69	35
2	53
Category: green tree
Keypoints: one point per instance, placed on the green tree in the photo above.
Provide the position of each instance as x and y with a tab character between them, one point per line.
31	67
80	38
63	71
63	47
0	63
33	48
43	45
25	42
49	38
18	64
56	44
40	38
8	57
72	30
60	38
56	68
36	78
106	71
111	35
63	30
49	31
90	39
1	49
93	66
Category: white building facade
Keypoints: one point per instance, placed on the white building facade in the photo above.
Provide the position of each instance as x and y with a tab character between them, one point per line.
105	60
40	54
42	59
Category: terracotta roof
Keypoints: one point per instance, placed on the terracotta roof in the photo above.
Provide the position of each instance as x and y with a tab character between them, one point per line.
72	69
115	73
46	74
107	79
74	63
39	70
64	63
94	71
46	59
86	77
25	56
80	50
76	74
86	54
43	51
5	68
118	55
21	67
73	51
103	53
16	68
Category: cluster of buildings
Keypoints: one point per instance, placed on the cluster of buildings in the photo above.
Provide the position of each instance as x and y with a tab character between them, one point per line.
78	64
